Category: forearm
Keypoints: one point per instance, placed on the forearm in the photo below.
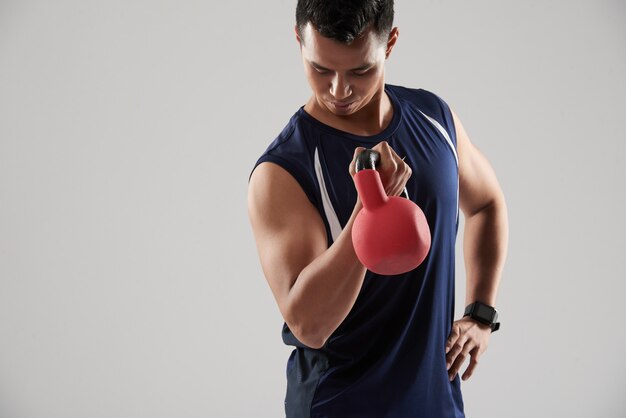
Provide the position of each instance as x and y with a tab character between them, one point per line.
327	288
485	245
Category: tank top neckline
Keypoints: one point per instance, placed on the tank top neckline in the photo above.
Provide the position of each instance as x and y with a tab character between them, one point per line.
384	134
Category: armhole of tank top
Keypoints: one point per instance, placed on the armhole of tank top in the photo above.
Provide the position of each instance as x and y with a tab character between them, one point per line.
451	129
307	184
447	113
450	134
300	177
291	168
447	119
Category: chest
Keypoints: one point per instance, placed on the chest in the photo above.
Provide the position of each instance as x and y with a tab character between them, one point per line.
433	184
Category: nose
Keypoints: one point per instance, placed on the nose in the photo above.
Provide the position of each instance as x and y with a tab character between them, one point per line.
340	89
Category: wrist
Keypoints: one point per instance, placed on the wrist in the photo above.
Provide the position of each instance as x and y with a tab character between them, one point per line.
484	314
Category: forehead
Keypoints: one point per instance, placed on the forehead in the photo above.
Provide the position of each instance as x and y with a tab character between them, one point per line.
336	55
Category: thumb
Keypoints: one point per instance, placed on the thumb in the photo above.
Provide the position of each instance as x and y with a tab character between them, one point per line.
357	151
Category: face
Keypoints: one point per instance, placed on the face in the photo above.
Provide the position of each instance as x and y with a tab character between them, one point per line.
344	78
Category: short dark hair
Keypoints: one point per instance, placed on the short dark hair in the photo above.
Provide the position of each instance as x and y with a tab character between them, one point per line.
345	20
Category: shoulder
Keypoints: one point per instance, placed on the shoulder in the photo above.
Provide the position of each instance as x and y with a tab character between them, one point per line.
292	150
429	103
289	136
291	145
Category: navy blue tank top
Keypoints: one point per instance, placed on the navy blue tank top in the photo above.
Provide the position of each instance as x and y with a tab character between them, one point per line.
387	358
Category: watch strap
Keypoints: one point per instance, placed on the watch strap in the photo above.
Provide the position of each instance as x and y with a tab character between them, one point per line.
484	314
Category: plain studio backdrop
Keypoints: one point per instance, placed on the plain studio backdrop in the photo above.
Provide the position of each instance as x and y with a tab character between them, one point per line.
130	284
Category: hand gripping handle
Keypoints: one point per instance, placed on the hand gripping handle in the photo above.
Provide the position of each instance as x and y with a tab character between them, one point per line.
368	159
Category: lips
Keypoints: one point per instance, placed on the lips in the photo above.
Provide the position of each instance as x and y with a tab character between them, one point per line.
342	105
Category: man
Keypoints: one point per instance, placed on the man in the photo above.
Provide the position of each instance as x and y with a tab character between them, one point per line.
368	345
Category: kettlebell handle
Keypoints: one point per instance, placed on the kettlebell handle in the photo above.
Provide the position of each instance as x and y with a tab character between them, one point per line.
368	159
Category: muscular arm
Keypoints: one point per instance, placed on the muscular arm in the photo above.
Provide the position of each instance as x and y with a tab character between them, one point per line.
314	285
486	222
484	249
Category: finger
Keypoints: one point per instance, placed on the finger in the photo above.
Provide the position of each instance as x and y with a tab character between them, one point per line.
456	350
458	362
352	167
388	150
357	151
408	172
473	363
388	157
455	333
389	167
399	188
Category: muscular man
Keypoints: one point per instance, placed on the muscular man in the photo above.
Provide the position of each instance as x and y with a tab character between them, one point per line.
367	345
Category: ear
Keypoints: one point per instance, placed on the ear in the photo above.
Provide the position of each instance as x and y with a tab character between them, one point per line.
295	29
393	37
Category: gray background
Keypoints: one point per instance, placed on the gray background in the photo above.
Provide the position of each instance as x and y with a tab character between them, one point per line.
130	284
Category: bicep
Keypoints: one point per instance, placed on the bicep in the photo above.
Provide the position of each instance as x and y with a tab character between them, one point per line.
288	230
478	185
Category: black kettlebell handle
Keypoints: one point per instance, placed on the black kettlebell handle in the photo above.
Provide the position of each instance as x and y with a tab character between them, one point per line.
368	159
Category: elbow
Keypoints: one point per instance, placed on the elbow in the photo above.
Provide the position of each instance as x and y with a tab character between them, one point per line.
497	204
308	334
313	341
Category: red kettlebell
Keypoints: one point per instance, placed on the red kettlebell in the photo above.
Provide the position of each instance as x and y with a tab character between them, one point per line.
390	234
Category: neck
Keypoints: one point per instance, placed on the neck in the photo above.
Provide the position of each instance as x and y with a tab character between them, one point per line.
369	120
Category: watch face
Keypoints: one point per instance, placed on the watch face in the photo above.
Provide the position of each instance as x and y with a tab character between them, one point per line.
484	312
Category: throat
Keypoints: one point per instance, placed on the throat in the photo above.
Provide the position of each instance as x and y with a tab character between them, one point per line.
364	122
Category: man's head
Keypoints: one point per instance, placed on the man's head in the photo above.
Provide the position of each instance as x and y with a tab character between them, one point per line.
345	20
344	44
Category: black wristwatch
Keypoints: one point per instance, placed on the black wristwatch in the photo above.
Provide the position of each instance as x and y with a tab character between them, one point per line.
484	314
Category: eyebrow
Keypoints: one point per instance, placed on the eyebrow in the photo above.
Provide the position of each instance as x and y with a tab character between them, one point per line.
362	67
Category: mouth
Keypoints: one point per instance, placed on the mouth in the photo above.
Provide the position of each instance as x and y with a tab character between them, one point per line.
341	105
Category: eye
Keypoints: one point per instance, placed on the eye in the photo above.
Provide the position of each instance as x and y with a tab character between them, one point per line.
321	71
365	72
